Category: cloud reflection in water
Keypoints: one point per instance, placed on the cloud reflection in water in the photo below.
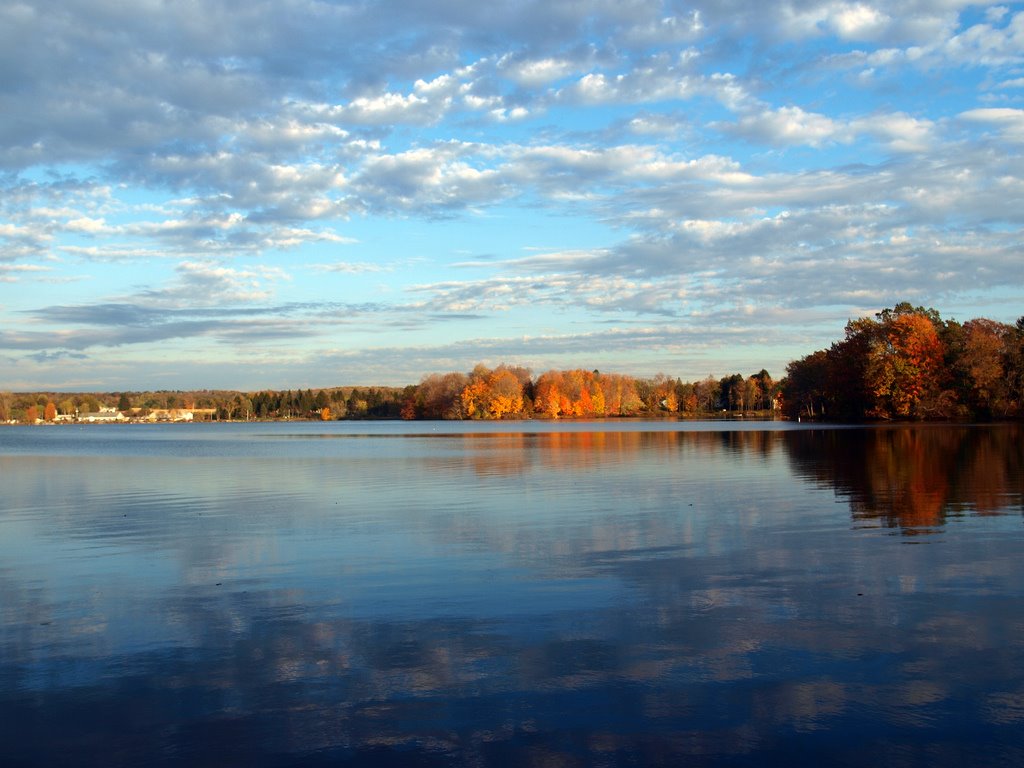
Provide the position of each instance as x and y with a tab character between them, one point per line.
264	597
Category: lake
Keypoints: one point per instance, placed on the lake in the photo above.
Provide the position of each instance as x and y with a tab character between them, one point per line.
611	593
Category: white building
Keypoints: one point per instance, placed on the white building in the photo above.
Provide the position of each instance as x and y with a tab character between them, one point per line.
104	415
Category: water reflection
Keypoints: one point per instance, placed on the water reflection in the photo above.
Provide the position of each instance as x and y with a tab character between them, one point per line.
915	478
615	598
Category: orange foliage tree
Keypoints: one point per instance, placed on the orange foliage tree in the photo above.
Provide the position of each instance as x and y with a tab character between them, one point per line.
664	395
982	365
620	395
906	361
579	393
439	396
547	398
496	394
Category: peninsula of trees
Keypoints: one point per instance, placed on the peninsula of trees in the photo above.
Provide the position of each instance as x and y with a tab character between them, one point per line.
909	363
906	363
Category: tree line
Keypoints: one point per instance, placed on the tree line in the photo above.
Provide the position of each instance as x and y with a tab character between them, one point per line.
904	363
512	392
504	392
909	363
219	405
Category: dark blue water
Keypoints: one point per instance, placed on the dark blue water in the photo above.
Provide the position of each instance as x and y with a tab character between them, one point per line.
618	593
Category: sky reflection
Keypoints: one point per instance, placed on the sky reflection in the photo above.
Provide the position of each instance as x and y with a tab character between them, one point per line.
516	599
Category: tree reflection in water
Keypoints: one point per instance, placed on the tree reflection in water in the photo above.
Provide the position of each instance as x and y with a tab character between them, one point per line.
602	595
915	478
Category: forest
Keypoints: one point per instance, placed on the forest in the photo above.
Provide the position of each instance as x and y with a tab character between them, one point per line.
504	392
905	363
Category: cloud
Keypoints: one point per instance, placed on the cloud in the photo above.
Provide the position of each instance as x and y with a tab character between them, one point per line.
12	272
899	132
686	348
534	72
352	267
989	45
788	126
1009	122
847	21
133	324
430	180
205	283
857	21
51	357
427	103
659	78
682	162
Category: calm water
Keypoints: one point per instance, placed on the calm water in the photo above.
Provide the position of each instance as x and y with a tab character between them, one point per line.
619	593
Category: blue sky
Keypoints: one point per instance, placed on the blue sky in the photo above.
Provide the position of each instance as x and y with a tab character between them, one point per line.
246	194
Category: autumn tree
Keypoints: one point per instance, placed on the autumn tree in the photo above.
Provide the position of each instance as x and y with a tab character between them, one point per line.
848	391
1014	366
583	394
356	404
686	394
891	366
620	395
548	394
662	394
577	391
575	397
763	390
732	392
50	412
806	388
505	397
751	393
981	366
904	367
338	405
439	396
493	394
243	406
707	392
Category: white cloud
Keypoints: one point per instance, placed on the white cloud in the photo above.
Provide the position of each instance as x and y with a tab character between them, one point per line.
668	30
648	81
986	44
533	72
1009	122
858	21
691	160
13	273
428	103
787	126
429	179
88	225
352	267
209	283
900	132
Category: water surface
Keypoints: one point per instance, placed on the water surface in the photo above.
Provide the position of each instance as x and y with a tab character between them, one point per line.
607	593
